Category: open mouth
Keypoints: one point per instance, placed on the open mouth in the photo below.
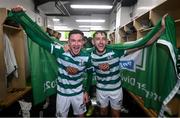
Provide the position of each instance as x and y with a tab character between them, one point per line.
76	50
101	46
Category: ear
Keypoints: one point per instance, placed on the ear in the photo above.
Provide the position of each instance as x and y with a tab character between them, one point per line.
106	41
92	41
68	41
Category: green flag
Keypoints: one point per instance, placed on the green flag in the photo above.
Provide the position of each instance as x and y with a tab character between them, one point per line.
43	72
152	74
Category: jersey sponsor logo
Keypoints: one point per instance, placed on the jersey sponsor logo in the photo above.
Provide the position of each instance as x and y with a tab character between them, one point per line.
129	64
136	60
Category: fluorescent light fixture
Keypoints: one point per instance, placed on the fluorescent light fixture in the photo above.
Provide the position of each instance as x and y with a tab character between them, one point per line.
84	29
90	26
96	28
91	6
144	8
60	27
55	19
48	25
97	21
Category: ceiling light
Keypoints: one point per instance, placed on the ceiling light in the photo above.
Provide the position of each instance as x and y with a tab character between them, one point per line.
55	19
90	26
96	28
145	8
91	6
99	21
60	27
84	30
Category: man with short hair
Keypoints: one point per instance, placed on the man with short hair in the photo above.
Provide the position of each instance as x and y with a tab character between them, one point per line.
71	66
107	71
105	61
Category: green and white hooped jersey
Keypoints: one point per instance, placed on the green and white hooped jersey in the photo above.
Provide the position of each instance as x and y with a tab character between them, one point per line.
67	85
70	85
107	80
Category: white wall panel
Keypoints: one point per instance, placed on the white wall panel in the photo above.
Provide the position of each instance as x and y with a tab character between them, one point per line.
125	15
139	8
143	6
28	5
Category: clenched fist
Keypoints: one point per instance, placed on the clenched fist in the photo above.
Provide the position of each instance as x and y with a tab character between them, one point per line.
104	66
18	8
71	70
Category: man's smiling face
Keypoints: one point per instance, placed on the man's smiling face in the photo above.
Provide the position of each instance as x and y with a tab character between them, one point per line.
100	42
75	44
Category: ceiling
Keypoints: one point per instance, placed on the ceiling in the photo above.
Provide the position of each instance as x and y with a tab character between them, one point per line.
61	9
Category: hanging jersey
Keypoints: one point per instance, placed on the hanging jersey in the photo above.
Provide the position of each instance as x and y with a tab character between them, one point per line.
110	79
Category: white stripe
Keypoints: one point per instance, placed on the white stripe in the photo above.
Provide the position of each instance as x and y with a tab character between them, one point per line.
107	72
143	67
94	56
176	87
62	71
69	91
51	48
178	92
108	78
109	86
169	45
66	64
110	62
57	45
90	68
65	81
77	58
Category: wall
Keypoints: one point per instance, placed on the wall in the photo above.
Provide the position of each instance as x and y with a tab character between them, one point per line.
143	6
112	21
28	5
125	14
122	18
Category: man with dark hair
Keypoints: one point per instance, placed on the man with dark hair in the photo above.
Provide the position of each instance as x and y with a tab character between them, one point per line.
49	31
71	66
57	35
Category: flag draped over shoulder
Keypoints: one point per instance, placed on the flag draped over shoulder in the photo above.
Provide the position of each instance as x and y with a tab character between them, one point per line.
150	73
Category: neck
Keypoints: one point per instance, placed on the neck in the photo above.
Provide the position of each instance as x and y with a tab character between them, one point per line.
73	54
100	53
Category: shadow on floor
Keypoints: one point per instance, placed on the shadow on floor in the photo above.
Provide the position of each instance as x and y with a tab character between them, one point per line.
131	108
